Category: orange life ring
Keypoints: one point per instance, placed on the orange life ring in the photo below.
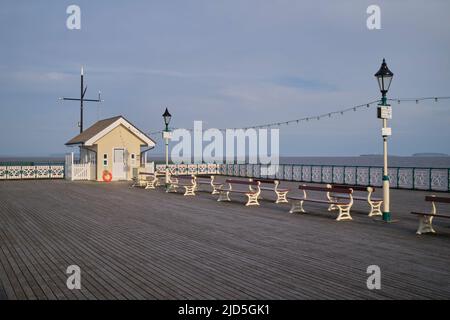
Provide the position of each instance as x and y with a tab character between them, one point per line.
107	176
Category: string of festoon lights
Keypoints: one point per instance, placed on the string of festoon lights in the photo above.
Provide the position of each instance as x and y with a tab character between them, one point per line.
326	115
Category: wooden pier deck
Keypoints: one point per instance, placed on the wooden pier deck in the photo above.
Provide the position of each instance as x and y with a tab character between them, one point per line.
132	243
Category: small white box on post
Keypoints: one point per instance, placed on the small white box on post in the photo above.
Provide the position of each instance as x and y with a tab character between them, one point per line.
386	132
167	135
385	112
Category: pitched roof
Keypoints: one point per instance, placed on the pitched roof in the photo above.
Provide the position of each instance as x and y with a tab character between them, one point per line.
102	127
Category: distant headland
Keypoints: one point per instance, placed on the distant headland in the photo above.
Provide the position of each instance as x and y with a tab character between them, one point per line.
430	154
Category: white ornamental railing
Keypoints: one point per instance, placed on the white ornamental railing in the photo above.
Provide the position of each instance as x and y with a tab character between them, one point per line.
413	178
52	171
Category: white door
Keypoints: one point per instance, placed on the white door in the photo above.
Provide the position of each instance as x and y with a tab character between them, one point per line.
119	164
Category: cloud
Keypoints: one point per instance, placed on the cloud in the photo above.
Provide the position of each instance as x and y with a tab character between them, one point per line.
34	77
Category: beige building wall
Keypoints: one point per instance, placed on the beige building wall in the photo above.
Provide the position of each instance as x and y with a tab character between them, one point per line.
120	137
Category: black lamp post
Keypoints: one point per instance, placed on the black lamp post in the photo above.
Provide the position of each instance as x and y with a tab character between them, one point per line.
384	77
167	116
166	136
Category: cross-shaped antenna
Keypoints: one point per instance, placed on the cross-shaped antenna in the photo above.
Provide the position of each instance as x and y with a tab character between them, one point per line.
82	99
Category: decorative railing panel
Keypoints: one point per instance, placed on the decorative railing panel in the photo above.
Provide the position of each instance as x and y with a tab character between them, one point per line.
440	179
362	176
338	175
376	176
32	172
327	174
306	173
297	173
422	179
405	178
242	170
350	175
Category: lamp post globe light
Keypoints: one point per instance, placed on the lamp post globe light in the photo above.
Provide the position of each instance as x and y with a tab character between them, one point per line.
166	136
384	77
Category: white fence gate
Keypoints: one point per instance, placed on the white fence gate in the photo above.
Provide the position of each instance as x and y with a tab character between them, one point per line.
79	171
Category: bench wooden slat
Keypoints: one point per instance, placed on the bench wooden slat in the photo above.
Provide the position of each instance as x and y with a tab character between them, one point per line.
437	199
237	191
354	187
316	200
355	197
430	214
246	182
272	181
332	189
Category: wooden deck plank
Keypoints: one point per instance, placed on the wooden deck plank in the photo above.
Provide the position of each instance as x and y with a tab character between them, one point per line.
146	244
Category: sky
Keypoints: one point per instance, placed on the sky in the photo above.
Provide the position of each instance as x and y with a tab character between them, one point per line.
229	63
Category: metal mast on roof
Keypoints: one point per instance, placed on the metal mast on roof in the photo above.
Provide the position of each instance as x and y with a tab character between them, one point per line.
82	99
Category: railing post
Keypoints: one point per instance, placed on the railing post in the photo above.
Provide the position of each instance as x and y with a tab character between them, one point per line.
332	174
343	175
429	179
448	179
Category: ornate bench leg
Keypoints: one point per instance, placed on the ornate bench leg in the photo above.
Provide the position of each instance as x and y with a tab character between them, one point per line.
172	188
425	225
375	208
252	199
281	197
344	212
332	207
190	191
224	196
150	185
297	206
215	191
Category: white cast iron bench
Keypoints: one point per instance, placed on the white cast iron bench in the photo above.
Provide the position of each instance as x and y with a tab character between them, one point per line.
426	219
188	182
374	203
280	193
141	179
153	180
252	194
343	205
206	179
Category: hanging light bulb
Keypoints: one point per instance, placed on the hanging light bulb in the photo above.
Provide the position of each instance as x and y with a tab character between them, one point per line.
435	99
